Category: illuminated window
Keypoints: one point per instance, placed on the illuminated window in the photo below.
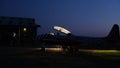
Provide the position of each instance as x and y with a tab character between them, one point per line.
24	29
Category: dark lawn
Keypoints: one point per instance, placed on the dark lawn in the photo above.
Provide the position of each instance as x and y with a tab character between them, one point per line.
33	58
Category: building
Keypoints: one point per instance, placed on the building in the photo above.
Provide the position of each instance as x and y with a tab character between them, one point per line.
17	30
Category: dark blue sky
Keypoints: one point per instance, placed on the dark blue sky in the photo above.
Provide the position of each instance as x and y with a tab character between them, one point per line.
82	17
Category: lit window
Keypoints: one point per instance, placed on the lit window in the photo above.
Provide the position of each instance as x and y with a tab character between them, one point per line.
24	29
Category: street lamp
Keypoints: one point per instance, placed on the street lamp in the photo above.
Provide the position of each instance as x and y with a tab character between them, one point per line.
24	30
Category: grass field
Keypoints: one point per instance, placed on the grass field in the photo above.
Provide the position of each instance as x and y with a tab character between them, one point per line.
35	58
113	55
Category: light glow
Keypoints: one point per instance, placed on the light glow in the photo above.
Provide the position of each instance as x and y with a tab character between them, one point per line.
52	34
53	49
24	29
62	29
99	51
14	34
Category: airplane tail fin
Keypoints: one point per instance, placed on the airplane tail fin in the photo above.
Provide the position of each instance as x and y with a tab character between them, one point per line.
114	33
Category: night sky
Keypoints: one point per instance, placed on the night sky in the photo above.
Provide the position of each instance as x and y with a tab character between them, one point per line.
82	17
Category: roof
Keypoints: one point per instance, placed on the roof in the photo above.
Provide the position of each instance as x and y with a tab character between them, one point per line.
16	21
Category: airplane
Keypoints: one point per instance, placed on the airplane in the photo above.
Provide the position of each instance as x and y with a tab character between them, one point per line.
73	43
112	41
